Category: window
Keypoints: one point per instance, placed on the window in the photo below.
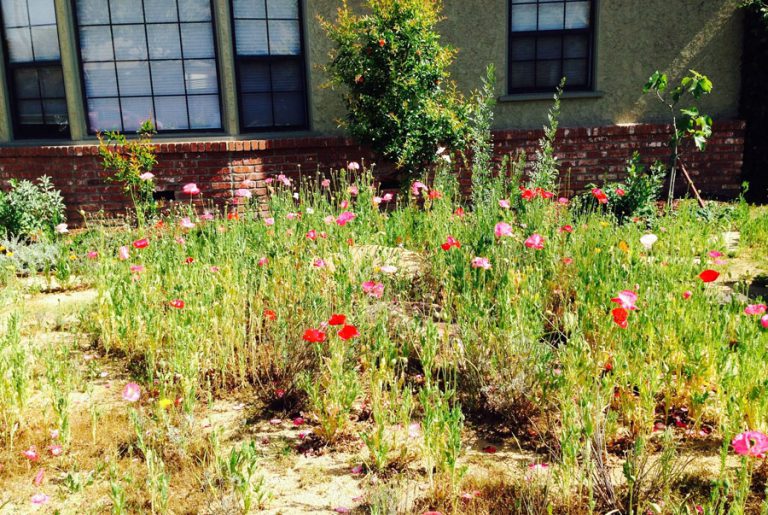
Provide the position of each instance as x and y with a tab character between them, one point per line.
270	64
550	39
35	79
149	59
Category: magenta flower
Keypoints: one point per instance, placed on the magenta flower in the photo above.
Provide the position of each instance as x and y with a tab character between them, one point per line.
39	477
319	263
373	289
755	309
626	299
269	221
186	223
481	262
387	197
764	321
353	166
31	454
55	450
93	255
326	183
263	261
206	216
131	392
353	190
243	193
377	200
562	201
504	204
136	269
344	218
292	216
191	189
417	187
687	294
750	443
123	253
535	241
715	254
502	229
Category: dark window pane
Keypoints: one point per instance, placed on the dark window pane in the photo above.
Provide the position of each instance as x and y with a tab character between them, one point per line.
522	75
289	109
26	83
549	48
257	110
55	111
286	76
575	71
576	46
52	82
30	112
548	74
523	49
254	78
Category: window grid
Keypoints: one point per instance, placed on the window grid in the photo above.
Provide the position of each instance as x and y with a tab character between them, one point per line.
538	34
270	61
18	68
155	98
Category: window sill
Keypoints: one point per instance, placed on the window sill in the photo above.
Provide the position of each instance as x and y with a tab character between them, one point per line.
528	97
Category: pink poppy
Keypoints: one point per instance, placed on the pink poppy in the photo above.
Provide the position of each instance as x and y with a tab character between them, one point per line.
186	223
418	187
136	269
566	228
298	421
687	294
344	218
715	254
263	261
54	434
373	289
330	219
481	262
55	450
312	235
567	261
376	200
269	221
755	309
353	190
243	193
180	240
131	392
620	192
147	176
344	204
387	197
39	477
626	299
502	229
191	189
750	443
31	454
326	183
214	269
141	244
600	196
562	201
292	216
40	499
353	166
318	263
504	204
285	181
535	241
123	253
764	321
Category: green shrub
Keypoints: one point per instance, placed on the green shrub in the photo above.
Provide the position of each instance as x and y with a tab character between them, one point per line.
636	197
31	211
400	99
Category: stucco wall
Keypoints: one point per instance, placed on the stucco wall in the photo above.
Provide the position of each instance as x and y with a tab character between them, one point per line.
633	39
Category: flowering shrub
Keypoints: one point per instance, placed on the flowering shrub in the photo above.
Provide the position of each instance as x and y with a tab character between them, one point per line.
31	211
394	71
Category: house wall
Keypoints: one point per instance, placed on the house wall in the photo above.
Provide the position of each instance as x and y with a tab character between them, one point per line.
634	38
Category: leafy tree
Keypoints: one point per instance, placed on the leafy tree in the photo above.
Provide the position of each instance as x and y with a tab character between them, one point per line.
400	99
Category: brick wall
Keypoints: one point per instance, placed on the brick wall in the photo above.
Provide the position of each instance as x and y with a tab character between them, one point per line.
218	167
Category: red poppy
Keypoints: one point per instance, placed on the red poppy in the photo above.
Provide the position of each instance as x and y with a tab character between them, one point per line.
620	316
141	244
348	332
233	216
566	228
489	449
314	336
189	260
159	224
459	212
337	320
312	235
434	194
600	196
269	314
450	241
382	42
709	276
350	242
528	194
177	303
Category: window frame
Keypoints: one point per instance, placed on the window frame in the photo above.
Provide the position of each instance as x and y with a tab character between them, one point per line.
590	32
19	130
171	132
269	59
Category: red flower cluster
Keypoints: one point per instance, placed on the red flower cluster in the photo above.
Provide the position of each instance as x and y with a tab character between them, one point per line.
450	241
531	194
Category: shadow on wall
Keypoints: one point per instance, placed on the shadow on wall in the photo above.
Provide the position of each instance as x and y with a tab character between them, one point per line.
684	61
